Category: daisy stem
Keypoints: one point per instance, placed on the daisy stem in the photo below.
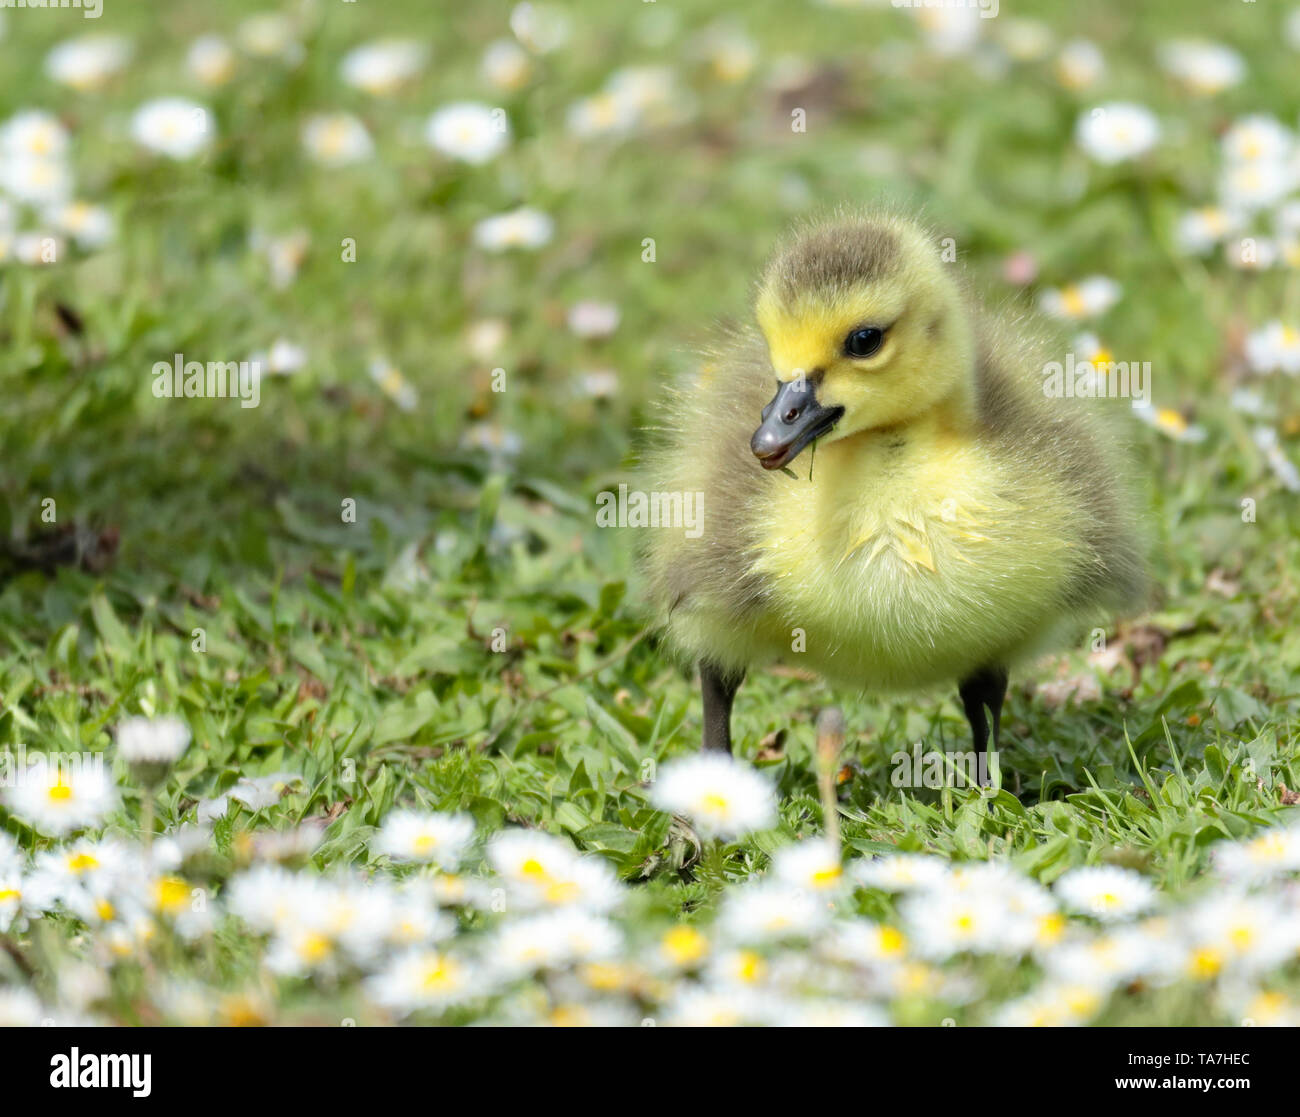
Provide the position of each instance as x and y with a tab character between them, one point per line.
830	742
146	818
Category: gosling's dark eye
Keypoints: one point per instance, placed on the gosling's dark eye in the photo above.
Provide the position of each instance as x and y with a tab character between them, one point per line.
864	342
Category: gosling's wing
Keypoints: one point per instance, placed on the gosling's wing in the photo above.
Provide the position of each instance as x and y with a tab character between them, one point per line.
1073	441
700	445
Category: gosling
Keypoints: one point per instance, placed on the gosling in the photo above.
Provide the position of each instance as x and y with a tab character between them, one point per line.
908	509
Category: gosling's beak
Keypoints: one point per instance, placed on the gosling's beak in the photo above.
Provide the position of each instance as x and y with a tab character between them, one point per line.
793	419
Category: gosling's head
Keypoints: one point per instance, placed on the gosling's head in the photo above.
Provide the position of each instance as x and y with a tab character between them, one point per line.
866	329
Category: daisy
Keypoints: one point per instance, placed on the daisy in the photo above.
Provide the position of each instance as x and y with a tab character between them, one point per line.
300	950
265	897
1266	439
600	383
20	1008
93	866
173	126
506	65
738	967
578	1015
12	857
1248	402
1080	64
813	865
1052	1005
36	249
722	797
284	358
592	319
683	947
1089	347
415	921
395	386
152	740
1026	40
1102	962
943	923
257	792
1247	934
1020	268
90	227
471	132
81	985
492	438
1086	299
834	1014
1202	67
1167	421
36	180
1258	138
33	132
270	35
1274	348
542	28
1116	132
527	946
770	911
1251	254
181	904
454	891
1287	218
862	943
1255	185
1200	230
520	228
284	254
715	1007
730	54
336	139
949	30
601	114
554	940
426	979
425	837
88	62
901	872
11	900
1105	892
57	801
381	68
1262	1009
211	60
485	337
540	870
650	92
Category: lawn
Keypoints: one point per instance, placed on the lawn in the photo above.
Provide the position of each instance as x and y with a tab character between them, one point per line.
381	607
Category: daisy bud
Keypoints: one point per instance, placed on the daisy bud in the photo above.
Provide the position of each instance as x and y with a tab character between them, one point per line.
152	746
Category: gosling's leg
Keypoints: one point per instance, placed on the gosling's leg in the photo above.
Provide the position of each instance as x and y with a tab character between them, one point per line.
719	688
987	687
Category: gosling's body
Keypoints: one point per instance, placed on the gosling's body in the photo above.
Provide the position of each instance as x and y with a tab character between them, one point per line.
953	522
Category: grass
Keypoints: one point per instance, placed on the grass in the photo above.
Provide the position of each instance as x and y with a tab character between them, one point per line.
361	654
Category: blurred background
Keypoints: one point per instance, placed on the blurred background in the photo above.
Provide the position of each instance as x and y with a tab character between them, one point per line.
468	243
